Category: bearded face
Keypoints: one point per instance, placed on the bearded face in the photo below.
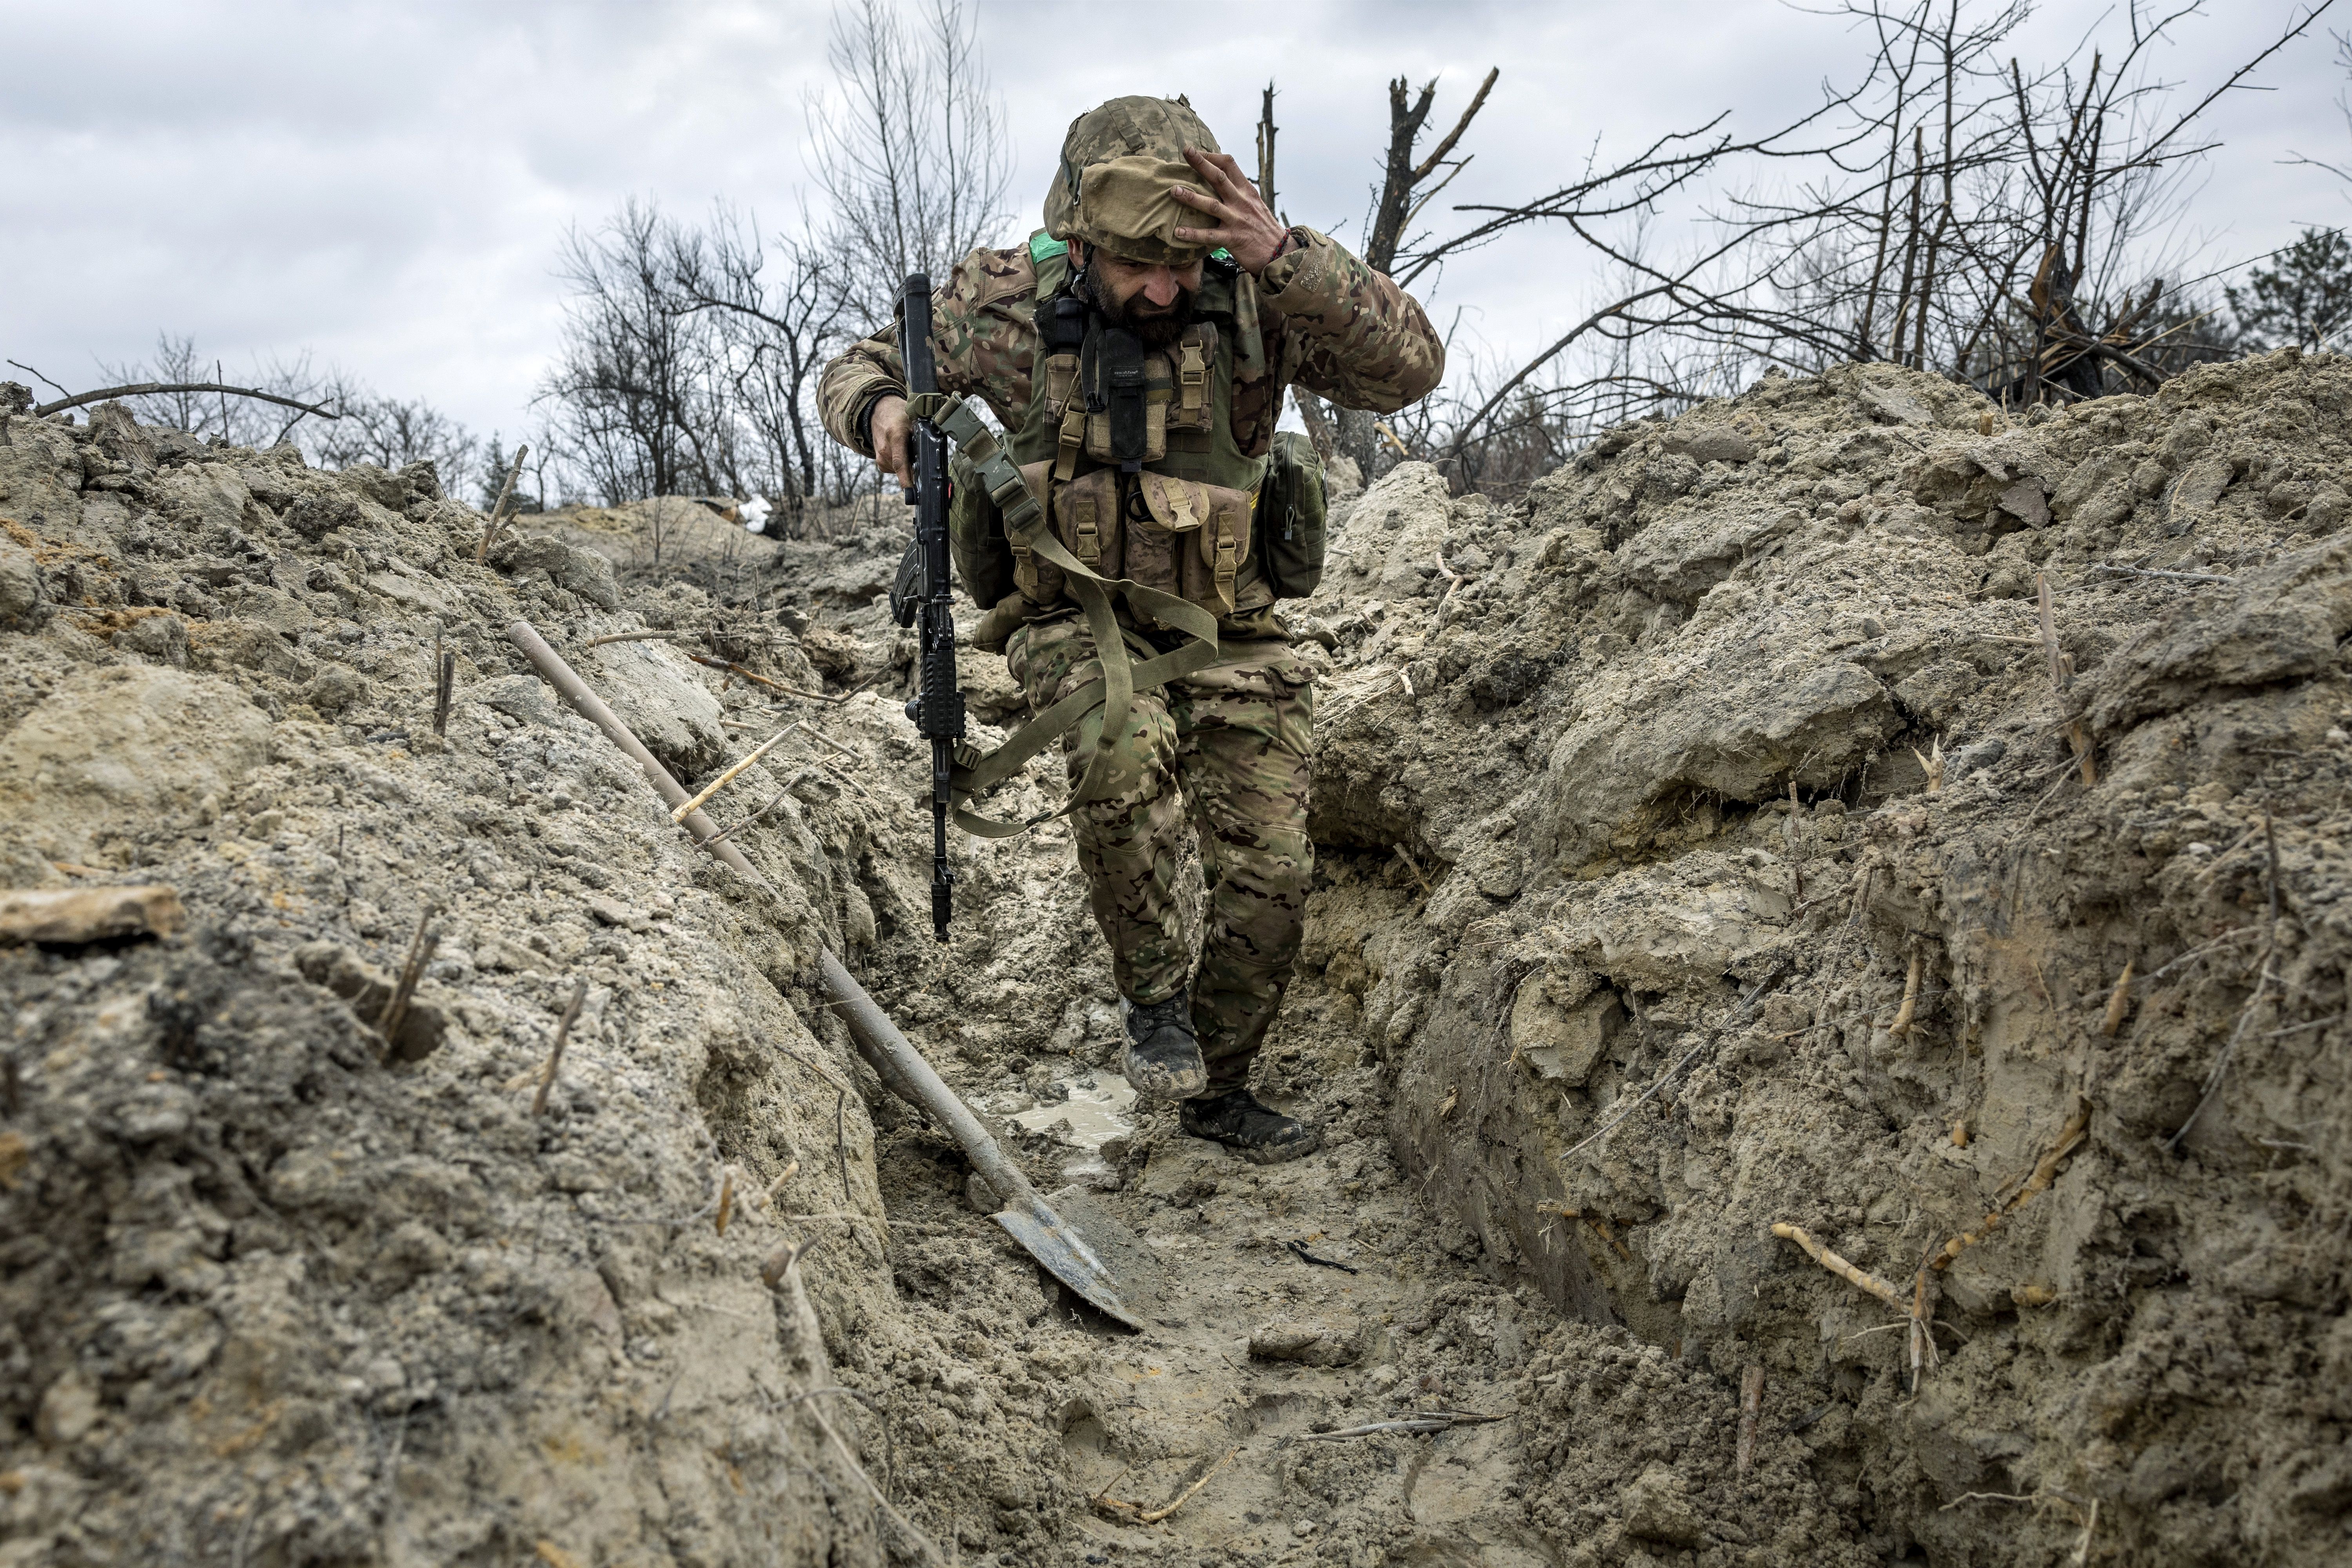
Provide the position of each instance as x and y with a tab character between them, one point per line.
1156	326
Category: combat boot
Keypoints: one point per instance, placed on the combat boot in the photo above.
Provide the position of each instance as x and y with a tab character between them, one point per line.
1258	1134
1163	1055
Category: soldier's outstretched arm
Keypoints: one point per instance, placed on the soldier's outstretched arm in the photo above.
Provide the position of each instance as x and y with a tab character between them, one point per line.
1353	335
980	339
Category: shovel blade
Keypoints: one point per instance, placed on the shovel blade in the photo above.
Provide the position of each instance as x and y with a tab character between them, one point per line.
1086	1248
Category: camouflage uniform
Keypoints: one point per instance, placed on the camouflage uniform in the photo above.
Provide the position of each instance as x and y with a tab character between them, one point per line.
1227	743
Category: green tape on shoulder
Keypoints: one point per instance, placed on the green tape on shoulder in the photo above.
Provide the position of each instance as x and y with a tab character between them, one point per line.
1221	253
1044	248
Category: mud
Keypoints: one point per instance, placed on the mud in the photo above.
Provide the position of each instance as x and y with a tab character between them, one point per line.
278	1293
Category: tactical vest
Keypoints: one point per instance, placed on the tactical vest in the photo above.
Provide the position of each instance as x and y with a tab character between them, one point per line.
1131	496
1133	450
1178	513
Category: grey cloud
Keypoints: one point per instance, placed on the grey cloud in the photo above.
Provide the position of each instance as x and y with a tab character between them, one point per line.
384	184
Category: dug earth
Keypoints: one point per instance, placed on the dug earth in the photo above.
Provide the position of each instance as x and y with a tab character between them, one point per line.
1843	808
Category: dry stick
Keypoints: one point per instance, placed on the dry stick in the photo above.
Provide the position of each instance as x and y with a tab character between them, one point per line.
420	951
1142	1515
772	803
2062	675
1840	1267
641	636
841	1140
736	669
2118	1001
1751	1406
555	1055
687	809
1920	1338
2170	576
498	507
1099	1495
1600	1226
2070	1137
1903	1015
725	1198
1432	1422
2223	859
1668	1076
146	388
776	1187
1412	865
2262	978
772	1266
445	688
1933	765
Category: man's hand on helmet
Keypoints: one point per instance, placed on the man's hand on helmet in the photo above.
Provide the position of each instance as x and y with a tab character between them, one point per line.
1246	227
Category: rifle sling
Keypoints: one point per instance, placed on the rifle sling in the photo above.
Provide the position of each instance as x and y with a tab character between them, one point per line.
1026	522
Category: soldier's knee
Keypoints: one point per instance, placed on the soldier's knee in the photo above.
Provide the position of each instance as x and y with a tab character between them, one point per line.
1141	760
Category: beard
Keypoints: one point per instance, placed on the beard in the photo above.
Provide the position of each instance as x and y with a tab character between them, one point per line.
1155	327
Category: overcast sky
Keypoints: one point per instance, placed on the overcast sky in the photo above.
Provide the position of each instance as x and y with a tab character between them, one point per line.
383	183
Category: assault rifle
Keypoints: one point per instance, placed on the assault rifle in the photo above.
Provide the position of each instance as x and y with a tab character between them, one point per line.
920	593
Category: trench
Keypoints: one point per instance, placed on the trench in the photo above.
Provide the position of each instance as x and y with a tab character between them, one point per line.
278	1293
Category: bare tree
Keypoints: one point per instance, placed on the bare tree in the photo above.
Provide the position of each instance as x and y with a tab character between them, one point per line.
909	147
630	396
391	433
1950	211
216	414
370	429
776	309
1396	205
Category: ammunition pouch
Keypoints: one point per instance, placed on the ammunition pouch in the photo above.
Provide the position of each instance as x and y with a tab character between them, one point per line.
1291	510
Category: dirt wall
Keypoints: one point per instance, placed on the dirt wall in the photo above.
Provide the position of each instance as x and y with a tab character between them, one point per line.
1637	776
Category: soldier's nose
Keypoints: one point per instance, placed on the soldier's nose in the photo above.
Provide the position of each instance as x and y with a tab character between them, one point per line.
1159	289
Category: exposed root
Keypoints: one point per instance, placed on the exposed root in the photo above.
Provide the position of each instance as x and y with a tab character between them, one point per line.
2070	1138
555	1052
2118	1003
1136	1513
1838	1266
1902	1016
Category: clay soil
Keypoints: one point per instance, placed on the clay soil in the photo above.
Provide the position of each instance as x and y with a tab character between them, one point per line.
1676	779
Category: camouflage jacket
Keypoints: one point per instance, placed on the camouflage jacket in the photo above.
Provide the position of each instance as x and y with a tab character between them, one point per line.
1327	322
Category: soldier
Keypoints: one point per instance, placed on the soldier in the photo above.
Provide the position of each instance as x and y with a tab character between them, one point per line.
1136	350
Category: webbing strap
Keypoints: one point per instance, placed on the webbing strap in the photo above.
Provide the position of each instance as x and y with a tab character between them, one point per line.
1027	526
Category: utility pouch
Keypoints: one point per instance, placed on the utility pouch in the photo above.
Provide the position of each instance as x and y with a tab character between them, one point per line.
1085	516
1290	517
1191	371
1197	537
984	559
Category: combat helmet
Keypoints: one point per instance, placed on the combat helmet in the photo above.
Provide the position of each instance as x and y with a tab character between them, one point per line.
1118	163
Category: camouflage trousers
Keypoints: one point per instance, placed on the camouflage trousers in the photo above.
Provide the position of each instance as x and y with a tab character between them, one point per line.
1225	747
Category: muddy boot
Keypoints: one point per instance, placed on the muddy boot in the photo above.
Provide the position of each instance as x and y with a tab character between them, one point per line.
1258	1134
1163	1057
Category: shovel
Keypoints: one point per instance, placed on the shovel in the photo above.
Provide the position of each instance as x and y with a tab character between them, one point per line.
1083	1245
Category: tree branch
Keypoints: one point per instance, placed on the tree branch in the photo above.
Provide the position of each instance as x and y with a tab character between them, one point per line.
142	388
